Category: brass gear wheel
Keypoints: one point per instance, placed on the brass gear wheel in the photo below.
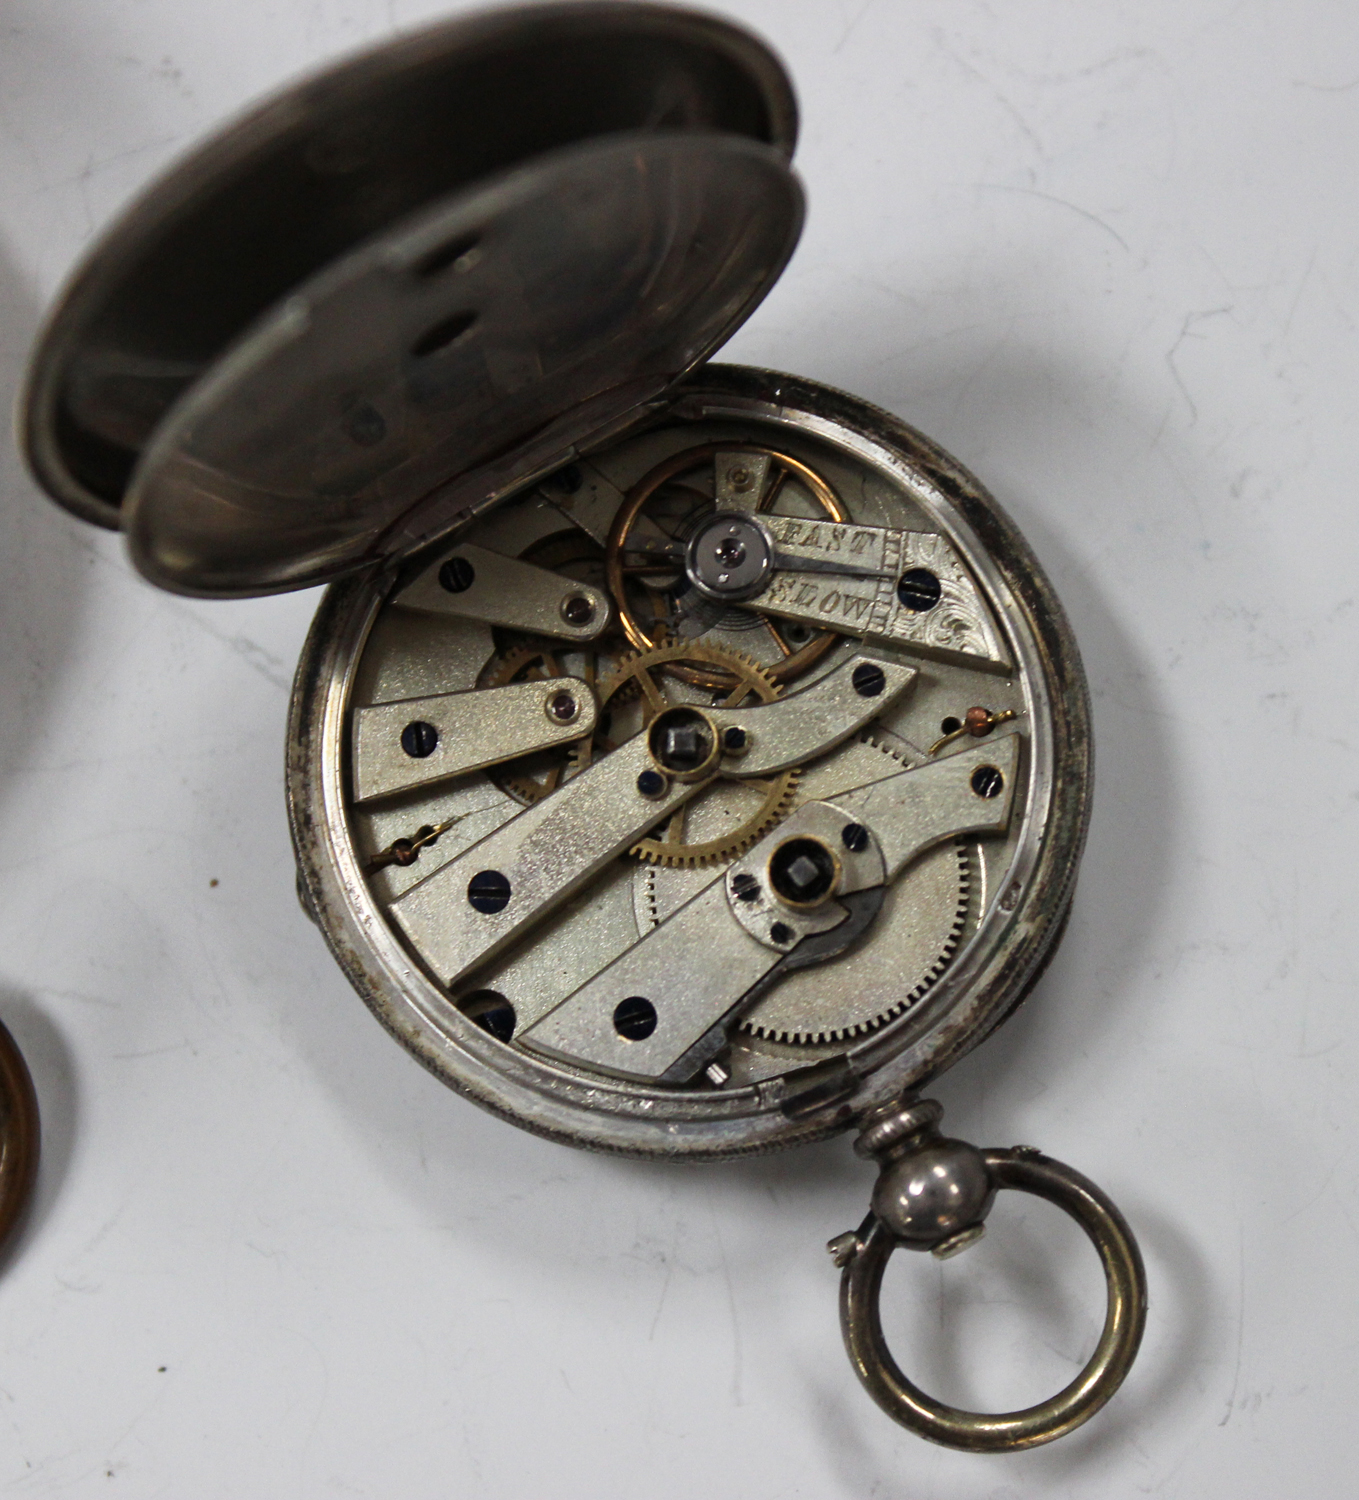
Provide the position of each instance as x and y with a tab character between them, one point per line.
647	634
726	799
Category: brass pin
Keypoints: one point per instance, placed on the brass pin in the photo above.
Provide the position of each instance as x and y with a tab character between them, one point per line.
976	722
406	851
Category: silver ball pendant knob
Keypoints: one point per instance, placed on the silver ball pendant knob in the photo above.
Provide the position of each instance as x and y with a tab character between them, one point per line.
932	1193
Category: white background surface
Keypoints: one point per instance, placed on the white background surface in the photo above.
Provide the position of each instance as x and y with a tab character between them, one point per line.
1108	255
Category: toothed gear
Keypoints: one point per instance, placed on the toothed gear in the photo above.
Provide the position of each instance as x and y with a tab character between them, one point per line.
504	669
868	737
725	801
905	954
883	977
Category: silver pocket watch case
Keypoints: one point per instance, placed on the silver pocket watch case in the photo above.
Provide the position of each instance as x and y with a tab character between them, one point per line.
686	760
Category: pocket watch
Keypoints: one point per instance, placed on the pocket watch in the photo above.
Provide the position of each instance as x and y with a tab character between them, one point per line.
686	760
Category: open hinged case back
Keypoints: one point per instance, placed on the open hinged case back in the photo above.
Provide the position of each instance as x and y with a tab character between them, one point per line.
687	760
406	288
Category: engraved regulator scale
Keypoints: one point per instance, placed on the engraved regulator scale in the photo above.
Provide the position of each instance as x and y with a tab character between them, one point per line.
686	760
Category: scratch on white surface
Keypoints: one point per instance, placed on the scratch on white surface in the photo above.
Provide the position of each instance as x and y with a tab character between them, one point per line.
1347	1216
94	165
259	658
1316	1052
208	958
1316	1197
941	41
82	997
184	1046
322	1398
85	1290
1030	192
112	1464
1191	320
1113	59
1240	1323
1302	287
982	365
737	1398
852	26
103	1232
660	1301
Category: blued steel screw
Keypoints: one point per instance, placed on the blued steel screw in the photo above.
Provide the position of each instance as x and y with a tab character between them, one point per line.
635	1018
488	891
919	590
419	739
457	575
987	781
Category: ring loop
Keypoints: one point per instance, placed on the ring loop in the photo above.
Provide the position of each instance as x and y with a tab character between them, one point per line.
1001	1432
19	1136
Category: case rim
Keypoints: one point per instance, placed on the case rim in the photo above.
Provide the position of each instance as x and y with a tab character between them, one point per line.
687	1124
